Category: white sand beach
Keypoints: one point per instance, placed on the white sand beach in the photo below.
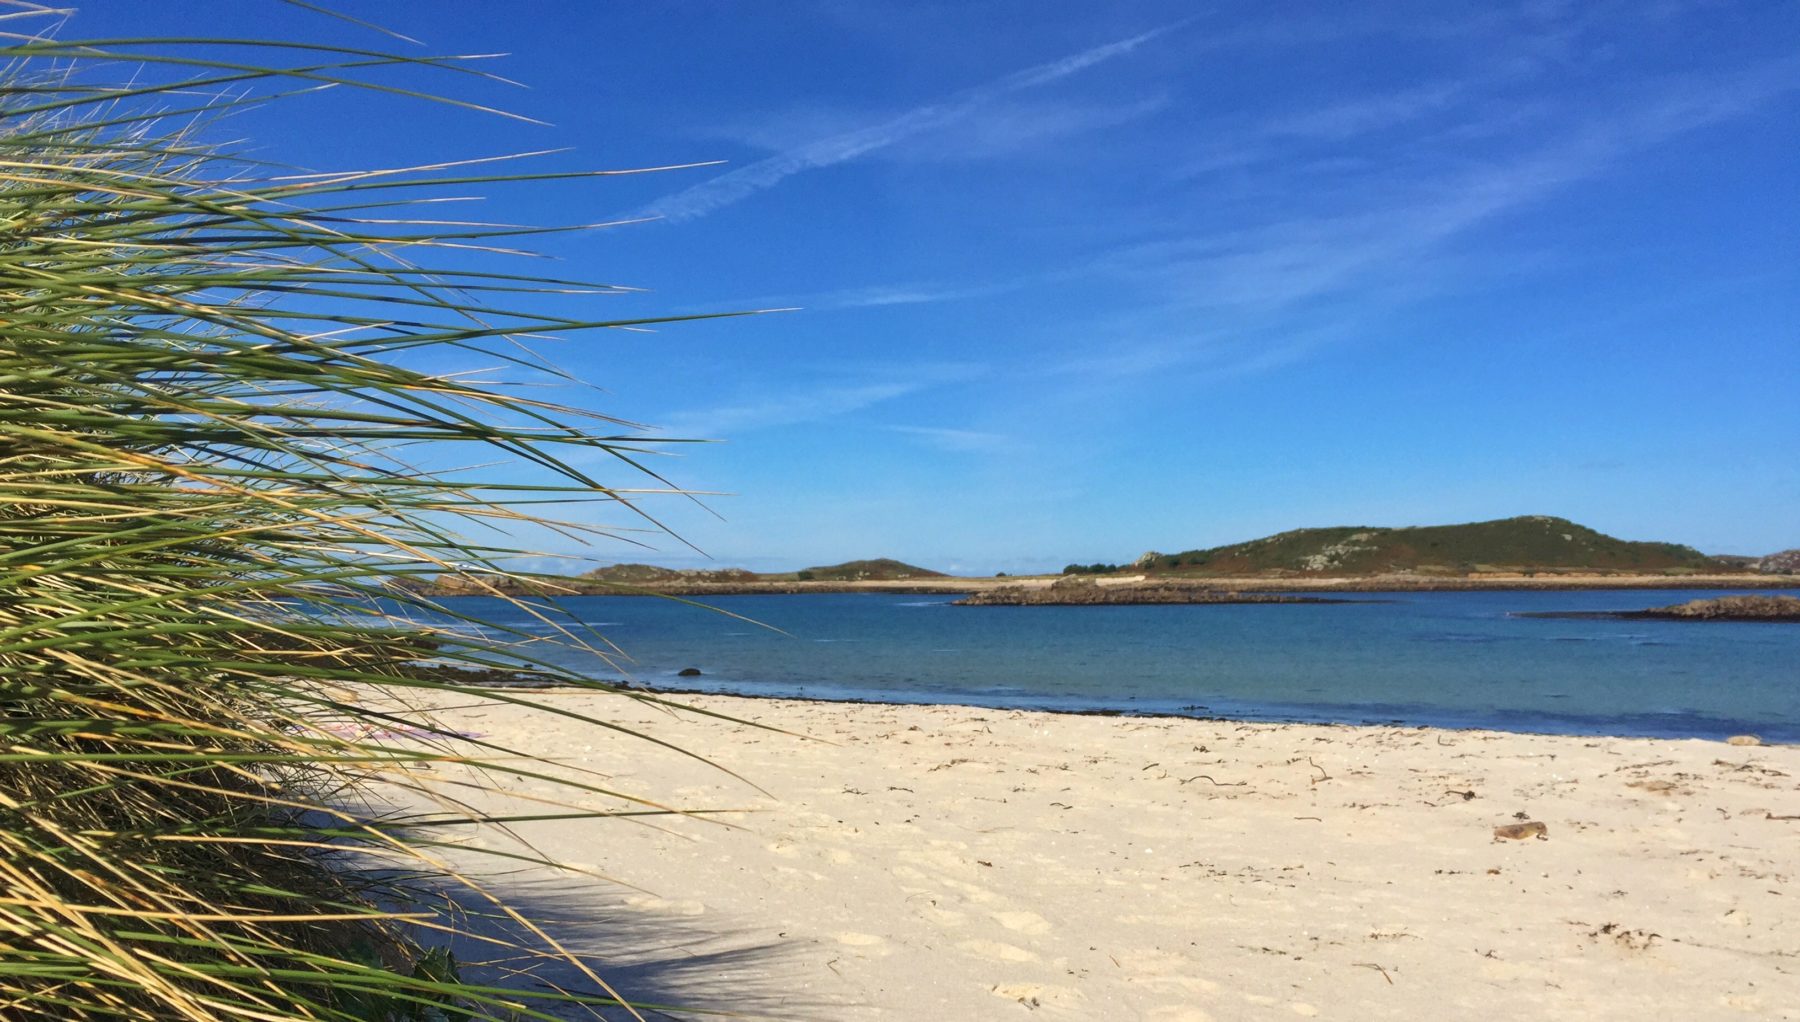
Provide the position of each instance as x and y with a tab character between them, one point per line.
944	862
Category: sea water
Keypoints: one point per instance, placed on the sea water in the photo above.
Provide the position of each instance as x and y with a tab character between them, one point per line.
1447	659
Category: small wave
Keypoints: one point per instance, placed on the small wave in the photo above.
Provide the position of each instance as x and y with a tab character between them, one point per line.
461	628
924	603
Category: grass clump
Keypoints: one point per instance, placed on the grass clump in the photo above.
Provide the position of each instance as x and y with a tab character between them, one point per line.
209	538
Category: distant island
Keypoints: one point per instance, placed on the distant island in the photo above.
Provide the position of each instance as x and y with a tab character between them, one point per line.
1528	552
1529	544
628	579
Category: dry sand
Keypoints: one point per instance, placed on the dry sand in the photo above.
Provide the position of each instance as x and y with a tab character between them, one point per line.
943	862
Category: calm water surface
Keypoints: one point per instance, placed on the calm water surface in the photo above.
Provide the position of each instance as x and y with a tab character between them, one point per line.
1455	659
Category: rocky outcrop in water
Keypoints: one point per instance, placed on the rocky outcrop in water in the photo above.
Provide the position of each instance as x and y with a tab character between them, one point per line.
1732	608
1724	608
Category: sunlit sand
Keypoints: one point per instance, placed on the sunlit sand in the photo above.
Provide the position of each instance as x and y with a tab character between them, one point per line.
943	862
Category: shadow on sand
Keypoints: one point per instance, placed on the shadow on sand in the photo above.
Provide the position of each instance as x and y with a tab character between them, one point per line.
693	968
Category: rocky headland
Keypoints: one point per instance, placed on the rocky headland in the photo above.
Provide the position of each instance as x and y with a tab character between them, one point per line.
1787	562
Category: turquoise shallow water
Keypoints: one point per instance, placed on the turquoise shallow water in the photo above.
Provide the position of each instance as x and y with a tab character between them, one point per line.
1454	659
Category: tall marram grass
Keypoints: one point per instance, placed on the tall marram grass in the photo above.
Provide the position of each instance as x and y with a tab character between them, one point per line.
209	535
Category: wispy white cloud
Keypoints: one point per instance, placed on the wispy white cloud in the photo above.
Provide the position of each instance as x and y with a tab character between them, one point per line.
743	182
1223	301
788	408
1273	138
1366	114
832	396
874	296
999	129
886	294
967	441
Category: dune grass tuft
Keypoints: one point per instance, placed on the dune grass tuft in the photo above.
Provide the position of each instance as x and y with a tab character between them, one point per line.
211	530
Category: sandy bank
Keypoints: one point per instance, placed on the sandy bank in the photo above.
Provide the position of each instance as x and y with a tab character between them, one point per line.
954	863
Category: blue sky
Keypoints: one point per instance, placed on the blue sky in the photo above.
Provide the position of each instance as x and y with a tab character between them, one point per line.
1079	280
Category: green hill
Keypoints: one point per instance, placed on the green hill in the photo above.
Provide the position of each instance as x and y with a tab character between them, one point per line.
884	569
1529	543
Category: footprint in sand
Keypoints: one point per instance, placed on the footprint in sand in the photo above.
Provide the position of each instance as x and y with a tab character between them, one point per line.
868	943
939	858
974	892
1023	922
995	950
1036	995
649	903
940	916
1177	1013
1154	962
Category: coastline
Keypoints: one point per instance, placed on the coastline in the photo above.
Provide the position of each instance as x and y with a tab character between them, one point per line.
1080	595
1220	584
949	862
1228	712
